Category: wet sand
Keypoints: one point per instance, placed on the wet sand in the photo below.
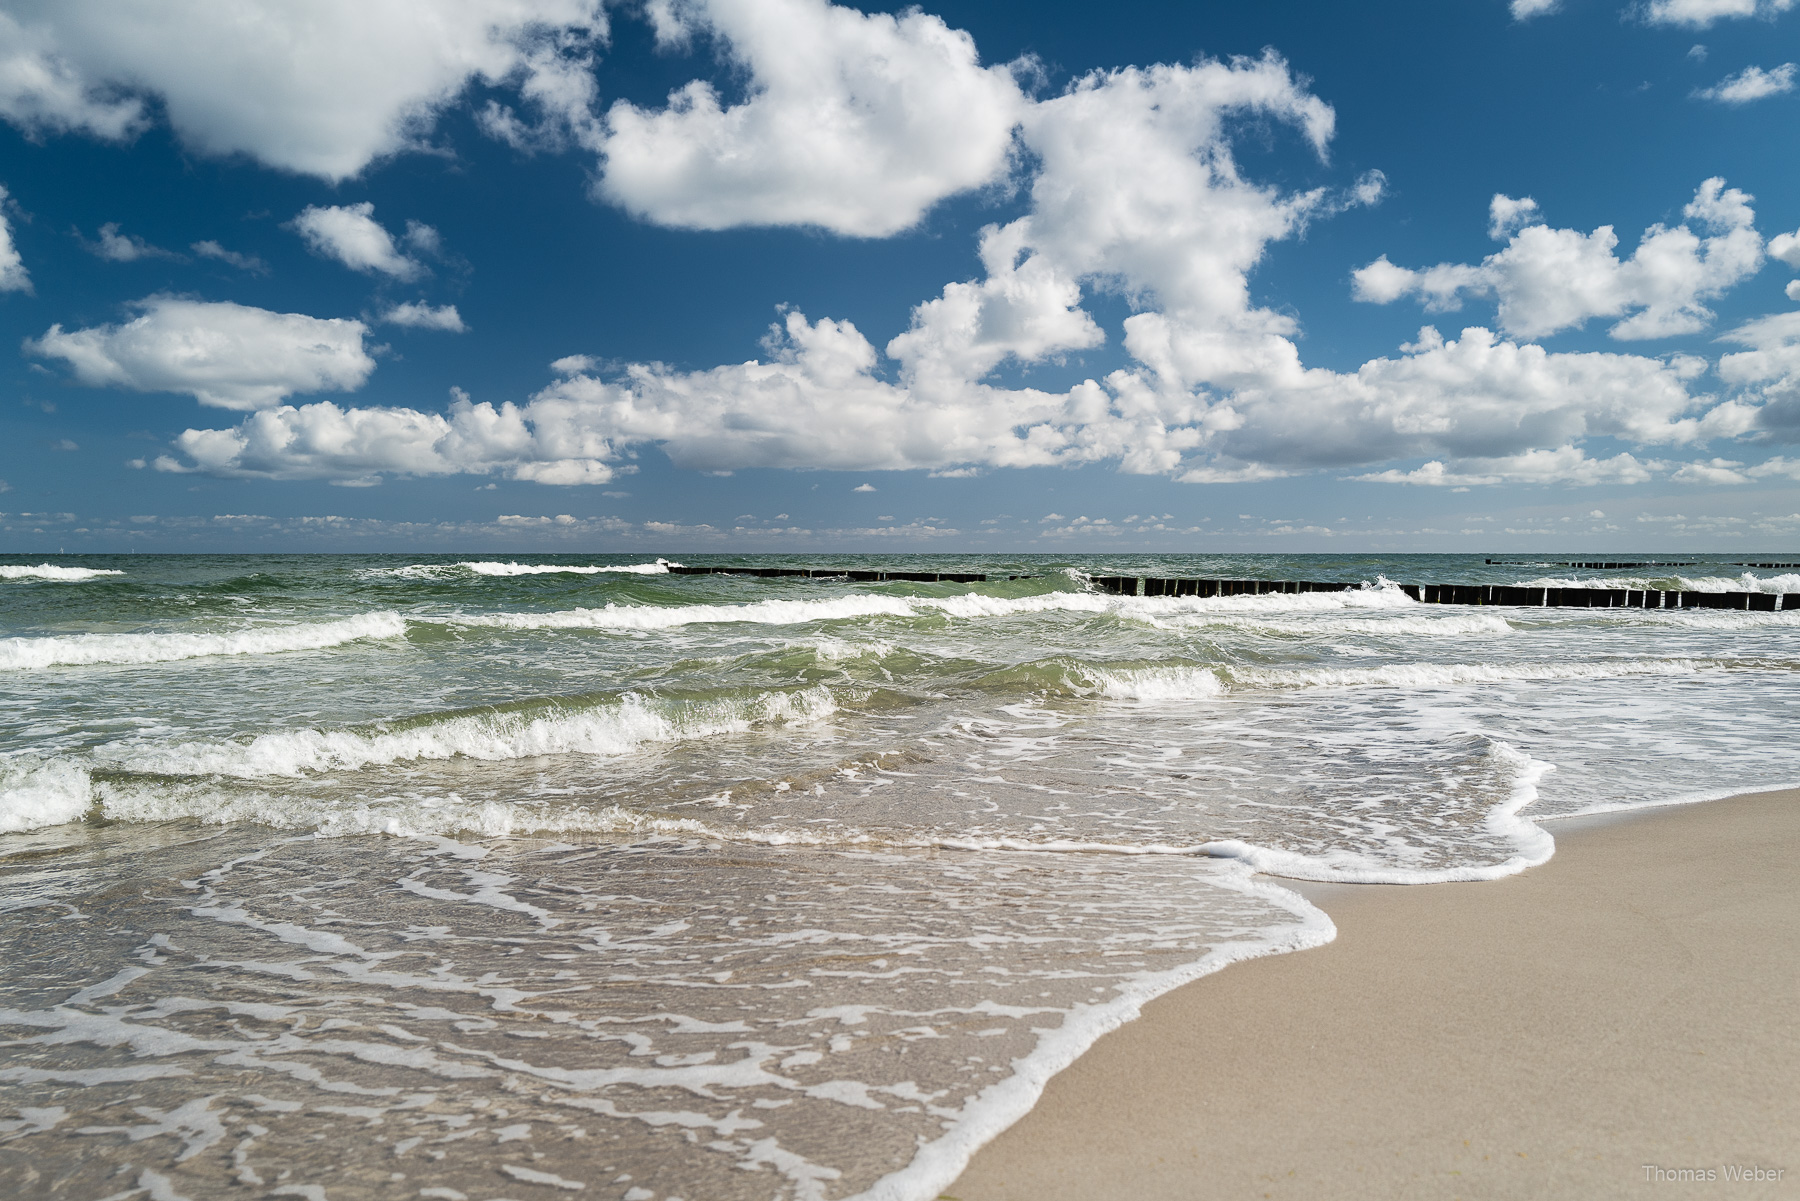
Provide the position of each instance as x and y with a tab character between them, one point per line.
1632	1005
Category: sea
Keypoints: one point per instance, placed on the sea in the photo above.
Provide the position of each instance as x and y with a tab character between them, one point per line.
517	876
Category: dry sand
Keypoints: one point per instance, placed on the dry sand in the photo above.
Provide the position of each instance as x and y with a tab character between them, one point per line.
1635	1001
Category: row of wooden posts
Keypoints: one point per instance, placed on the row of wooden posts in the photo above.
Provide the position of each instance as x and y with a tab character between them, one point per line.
1466	594
1609	565
1430	594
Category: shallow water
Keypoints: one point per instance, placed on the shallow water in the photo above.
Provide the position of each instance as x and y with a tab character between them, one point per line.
381	874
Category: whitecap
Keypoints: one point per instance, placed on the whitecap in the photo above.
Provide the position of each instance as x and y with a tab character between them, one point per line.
660	567
86	649
50	571
969	605
1747	582
35	793
1445	675
612	729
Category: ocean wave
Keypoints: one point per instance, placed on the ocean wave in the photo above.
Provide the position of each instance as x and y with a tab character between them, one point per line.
458	571
137	802
969	605
1532	844
1160	683
37	792
660	567
188	780
1448	625
1443	675
69	650
1748	582
1200	682
50	571
614	728
664	617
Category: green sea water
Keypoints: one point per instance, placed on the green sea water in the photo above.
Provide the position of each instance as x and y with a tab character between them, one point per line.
387	873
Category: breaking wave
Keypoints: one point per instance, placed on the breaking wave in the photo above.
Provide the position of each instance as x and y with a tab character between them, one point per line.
1197	682
86	649
968	605
614	728
50	571
1747	582
35	793
660	567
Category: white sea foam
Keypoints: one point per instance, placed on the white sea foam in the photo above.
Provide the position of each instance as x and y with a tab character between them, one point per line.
612	729
972	605
1748	582
937	1164
459	571
1448	625
1534	844
210	802
664	617
1446	675
1190	682
1160	683
50	571
660	567
85	649
35	793
413	571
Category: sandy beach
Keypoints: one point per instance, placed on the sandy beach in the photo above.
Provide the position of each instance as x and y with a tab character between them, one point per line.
1630	1009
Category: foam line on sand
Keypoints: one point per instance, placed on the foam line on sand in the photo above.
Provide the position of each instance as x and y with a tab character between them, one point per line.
1632	1006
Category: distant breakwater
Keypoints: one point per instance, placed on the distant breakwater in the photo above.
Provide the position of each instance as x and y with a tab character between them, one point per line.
1430	594
1467	594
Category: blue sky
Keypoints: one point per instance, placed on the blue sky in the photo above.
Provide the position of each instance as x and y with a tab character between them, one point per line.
704	275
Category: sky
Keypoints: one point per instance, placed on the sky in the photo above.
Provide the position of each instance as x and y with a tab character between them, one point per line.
680	276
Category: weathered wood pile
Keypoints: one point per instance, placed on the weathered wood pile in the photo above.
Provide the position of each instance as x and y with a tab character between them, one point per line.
1127	585
1592	566
1430	594
1467	594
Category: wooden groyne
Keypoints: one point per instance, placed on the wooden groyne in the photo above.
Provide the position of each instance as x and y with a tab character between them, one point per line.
1610	565
1467	594
1430	594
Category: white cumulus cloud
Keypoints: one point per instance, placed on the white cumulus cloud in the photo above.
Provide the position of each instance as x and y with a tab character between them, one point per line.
418	315
117	247
1561	465
1786	247
226	355
324	441
1770	369
322	88
852	122
1134	189
1698	14
13	276
1550	279
1752	83
1507	214
1524	10
350	234
210	249
1477	396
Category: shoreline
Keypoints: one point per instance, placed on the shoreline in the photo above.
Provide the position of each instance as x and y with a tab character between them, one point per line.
1627	1007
